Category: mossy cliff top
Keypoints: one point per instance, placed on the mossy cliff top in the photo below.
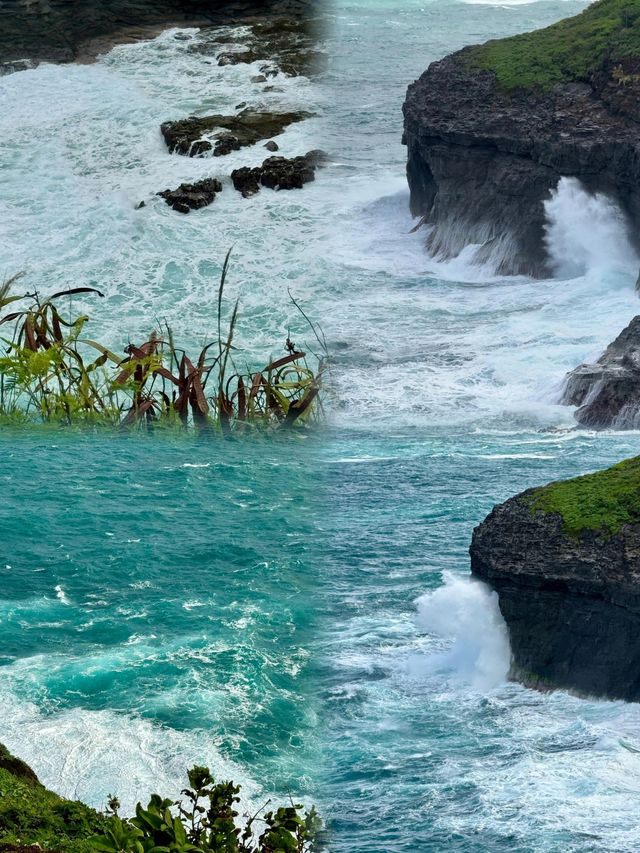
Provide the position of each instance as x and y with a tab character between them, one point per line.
604	501
30	814
569	51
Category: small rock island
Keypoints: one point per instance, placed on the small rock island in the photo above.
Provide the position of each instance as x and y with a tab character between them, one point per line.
491	129
565	562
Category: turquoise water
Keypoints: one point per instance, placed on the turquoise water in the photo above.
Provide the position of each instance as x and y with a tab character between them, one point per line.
155	612
300	616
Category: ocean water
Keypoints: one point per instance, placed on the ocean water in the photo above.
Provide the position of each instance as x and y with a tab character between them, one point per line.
302	618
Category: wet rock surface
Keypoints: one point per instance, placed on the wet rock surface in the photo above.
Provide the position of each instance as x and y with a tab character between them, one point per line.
482	162
189	197
278	173
281	44
607	392
219	134
571	602
62	31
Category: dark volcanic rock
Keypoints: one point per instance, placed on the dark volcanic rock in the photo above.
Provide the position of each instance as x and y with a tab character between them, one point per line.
287	44
188	197
62	31
482	162
230	133
608	392
278	173
571	603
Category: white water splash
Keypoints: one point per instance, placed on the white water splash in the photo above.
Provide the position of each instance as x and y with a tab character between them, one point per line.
466	612
62	596
87	755
586	232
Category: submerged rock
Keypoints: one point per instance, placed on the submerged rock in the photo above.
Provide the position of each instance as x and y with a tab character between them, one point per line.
490	131
230	133
608	391
565	562
188	197
278	173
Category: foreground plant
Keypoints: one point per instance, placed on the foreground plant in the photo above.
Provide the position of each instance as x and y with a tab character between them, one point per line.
206	822
50	373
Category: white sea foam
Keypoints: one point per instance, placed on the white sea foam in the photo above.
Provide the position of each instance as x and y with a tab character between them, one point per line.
465	613
84	754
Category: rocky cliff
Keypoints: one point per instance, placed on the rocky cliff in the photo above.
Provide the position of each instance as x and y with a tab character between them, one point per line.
64	30
607	392
491	129
565	561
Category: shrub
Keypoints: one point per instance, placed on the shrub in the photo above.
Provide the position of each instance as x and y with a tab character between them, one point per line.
50	373
206	822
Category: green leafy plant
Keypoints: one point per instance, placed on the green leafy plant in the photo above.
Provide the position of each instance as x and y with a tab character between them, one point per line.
568	51
206	821
50	373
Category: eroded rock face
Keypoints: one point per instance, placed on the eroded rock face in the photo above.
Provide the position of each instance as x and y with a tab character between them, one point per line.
571	603
278	173
481	163
188	197
608	391
226	133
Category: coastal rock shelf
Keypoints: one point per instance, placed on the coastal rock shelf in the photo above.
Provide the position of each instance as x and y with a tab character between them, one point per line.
229	133
491	129
565	562
61	31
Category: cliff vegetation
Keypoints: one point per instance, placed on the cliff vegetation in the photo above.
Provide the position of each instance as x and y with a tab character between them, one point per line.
568	51
600	502
52	372
204	820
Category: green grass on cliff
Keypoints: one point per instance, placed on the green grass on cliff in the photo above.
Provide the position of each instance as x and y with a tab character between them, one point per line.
30	814
566	51
603	501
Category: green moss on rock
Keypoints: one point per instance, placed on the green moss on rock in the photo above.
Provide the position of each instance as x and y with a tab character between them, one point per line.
564	52
604	501
30	814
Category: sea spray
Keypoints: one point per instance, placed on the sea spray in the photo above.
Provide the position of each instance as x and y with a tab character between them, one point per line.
466	612
586	232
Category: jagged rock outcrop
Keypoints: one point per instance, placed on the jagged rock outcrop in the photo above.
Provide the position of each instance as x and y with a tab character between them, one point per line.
484	153
226	133
189	197
63	30
565	562
278	173
608	391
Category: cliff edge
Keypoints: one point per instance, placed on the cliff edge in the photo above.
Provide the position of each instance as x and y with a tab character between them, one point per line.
565	562
491	129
